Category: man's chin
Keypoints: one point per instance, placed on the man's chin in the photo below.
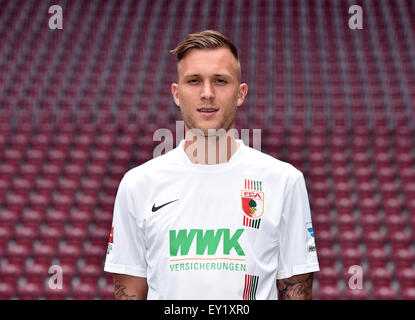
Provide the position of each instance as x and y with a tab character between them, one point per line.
209	132
201	132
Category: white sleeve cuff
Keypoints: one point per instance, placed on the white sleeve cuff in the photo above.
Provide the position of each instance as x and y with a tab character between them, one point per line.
301	269
122	269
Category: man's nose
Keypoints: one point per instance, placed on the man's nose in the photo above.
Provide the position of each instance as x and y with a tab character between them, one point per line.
207	91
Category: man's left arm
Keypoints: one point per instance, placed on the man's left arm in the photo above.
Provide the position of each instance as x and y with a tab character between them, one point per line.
298	287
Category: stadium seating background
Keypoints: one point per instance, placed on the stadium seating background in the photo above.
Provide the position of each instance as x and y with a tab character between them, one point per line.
79	106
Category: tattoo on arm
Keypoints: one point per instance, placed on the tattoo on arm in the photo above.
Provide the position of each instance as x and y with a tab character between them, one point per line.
298	287
120	293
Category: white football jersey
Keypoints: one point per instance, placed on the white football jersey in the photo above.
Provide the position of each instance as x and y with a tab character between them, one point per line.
222	231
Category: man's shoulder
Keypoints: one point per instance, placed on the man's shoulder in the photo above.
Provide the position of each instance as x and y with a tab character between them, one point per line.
151	165
267	162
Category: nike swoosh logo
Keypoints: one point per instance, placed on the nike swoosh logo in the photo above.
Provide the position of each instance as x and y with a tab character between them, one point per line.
154	209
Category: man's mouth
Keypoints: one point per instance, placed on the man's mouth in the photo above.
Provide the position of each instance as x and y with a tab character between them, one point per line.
207	111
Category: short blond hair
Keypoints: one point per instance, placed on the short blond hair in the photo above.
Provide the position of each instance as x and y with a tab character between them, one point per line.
207	39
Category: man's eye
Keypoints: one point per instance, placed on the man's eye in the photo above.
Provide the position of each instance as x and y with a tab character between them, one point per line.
221	81
192	81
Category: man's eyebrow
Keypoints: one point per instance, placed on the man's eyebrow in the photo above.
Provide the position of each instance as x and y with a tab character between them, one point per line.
222	75
216	75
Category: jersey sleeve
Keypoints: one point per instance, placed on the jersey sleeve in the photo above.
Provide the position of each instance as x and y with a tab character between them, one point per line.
126	253
297	250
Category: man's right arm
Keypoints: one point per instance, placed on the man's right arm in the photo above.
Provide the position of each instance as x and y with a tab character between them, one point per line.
129	287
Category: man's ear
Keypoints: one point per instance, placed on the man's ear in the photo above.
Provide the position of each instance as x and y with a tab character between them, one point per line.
243	91
175	93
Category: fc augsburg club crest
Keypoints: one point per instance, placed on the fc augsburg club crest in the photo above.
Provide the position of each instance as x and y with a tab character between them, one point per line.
252	203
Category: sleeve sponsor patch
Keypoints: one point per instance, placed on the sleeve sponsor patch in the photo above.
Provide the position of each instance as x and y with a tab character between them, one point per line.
311	245
110	241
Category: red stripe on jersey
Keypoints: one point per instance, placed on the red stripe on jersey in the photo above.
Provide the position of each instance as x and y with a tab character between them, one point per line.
249	286
244	296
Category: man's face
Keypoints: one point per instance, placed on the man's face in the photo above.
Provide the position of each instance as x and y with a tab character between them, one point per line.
209	91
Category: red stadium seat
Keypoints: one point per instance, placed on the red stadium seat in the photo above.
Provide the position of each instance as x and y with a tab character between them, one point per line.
36	273
57	157
381	276
366	191
342	189
22	187
78	158
10	273
341	174
43	253
99	236
5	235
80	218
384	293
357	294
374	238
410	205
393	206
32	218
370	222
39	202
106	292
399	239
403	257
69	273
89	274
17	254
15	202
351	256
328	275
377	257
63	201
395	222
325	238
96	171
389	189
363	174
69	254
320	205
408	293
7	291
51	171
50	236
406	277
103	219
95	254
25	235
68	186
56	218
75	236
106	201
346	222
84	291
86	202
9	218
321	222
91	186
30	291
345	206
349	238
56	293
329	292
409	189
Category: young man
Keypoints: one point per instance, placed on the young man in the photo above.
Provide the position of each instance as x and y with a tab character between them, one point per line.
211	220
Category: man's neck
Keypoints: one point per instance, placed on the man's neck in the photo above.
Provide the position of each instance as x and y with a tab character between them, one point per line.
210	149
